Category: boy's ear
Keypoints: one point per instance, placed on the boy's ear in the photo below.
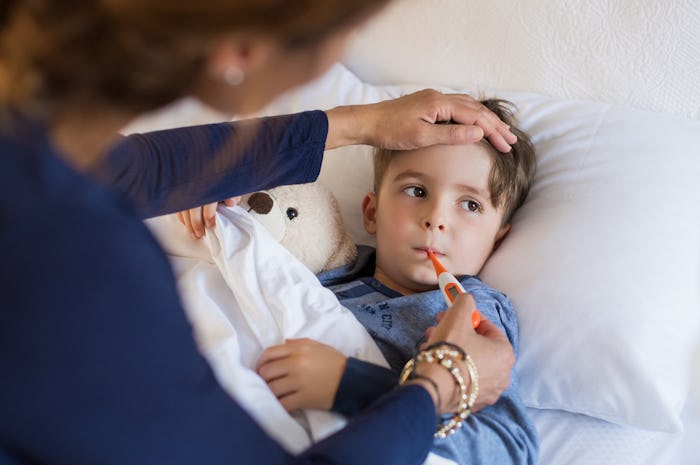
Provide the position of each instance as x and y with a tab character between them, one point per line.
369	212
500	235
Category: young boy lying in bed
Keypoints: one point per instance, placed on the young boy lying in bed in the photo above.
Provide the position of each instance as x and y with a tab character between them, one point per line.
455	201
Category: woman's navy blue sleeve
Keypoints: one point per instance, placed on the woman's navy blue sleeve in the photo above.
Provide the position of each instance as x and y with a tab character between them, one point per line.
176	169
407	421
362	384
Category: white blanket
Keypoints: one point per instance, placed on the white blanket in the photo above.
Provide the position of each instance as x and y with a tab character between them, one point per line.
244	292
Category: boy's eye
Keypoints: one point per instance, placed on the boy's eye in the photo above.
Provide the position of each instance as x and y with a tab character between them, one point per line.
471	205
414	191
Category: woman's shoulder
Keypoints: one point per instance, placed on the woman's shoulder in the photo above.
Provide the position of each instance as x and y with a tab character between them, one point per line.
31	171
57	225
37	185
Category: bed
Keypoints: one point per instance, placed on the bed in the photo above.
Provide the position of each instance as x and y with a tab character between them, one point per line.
603	260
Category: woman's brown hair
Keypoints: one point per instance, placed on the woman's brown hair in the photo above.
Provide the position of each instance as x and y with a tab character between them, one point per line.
141	54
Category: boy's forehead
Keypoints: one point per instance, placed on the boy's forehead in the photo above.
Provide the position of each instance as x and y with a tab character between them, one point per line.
468	156
480	147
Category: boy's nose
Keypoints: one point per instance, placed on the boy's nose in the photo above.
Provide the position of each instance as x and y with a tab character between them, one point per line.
434	225
434	215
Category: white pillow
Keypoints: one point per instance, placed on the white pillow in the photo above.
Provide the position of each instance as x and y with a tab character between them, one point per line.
603	260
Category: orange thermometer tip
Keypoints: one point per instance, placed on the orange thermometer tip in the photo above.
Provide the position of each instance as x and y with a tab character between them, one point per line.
438	266
476	319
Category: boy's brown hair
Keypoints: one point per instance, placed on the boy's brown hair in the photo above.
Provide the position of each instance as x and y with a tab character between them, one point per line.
511	173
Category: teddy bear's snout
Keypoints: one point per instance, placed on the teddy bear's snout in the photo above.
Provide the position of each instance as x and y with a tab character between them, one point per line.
261	203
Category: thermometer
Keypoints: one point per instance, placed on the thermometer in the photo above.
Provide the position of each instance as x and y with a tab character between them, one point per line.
450	287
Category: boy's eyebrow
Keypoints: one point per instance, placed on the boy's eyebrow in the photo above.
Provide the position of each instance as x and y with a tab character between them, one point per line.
409	174
480	192
465	187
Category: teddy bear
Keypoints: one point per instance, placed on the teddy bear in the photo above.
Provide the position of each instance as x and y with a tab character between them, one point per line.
306	220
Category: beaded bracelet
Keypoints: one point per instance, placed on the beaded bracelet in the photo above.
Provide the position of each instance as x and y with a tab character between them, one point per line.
444	354
457	349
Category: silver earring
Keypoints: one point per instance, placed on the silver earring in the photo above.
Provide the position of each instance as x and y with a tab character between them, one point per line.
234	76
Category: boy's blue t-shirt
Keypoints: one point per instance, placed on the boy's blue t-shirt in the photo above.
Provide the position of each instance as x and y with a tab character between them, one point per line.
501	433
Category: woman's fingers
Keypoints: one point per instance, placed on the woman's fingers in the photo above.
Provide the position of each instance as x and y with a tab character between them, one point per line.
209	214
490	330
494	359
233	201
476	120
455	323
473	119
186	220
197	220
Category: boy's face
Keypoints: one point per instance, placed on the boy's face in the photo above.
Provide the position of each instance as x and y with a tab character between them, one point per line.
433	198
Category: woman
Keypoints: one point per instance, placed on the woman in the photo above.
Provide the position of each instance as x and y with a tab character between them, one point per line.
97	359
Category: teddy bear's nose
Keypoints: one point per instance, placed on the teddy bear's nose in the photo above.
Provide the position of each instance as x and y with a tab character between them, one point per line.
260	203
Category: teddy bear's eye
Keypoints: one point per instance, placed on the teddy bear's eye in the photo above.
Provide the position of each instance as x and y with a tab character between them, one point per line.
292	213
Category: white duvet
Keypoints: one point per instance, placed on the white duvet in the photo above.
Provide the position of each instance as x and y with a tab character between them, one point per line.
243	292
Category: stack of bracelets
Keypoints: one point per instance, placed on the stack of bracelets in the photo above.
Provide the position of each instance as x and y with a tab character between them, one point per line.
446	354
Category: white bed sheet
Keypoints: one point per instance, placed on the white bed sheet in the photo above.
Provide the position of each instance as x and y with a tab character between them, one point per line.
687	451
574	439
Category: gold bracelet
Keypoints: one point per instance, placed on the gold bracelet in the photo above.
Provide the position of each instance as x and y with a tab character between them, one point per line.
445	356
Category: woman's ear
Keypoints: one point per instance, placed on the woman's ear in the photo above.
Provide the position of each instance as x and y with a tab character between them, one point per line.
369	212
500	235
242	52
232	80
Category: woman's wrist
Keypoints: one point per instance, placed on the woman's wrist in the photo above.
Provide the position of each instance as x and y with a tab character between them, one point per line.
434	385
447	390
447	357
431	386
347	125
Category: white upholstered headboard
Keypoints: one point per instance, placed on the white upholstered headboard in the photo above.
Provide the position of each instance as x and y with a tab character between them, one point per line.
642	53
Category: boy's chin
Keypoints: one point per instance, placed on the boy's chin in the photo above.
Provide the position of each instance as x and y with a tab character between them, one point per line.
423	284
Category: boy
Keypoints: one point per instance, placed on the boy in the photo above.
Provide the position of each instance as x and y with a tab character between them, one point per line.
455	201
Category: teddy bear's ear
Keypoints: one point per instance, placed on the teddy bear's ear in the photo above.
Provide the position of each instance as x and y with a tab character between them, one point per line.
345	254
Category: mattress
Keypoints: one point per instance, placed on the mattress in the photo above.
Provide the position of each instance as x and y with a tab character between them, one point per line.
573	439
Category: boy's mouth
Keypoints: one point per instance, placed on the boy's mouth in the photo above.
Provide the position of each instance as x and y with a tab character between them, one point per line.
424	250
